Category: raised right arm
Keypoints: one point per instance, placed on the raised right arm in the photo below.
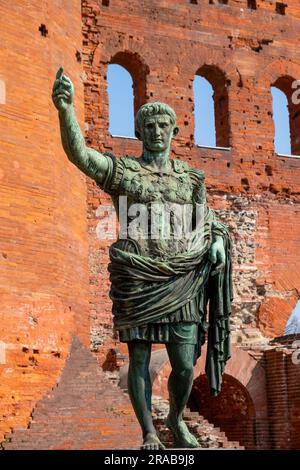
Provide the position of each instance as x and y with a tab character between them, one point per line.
88	160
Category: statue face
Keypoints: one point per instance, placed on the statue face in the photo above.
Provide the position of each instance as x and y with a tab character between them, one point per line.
157	132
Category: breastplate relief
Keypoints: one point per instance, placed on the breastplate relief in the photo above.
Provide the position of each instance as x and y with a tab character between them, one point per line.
156	190
143	187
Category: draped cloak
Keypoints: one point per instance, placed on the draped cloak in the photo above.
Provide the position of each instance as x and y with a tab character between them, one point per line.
145	289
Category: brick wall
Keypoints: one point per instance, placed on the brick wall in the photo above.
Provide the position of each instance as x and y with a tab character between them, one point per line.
255	190
45	279
233	410
84	412
283	384
241	409
43	246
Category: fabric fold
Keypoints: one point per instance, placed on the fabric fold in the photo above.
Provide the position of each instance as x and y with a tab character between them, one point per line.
144	290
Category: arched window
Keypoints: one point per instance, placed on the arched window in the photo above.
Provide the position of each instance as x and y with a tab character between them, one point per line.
205	129
127	81
281	121
211	108
121	101
286	115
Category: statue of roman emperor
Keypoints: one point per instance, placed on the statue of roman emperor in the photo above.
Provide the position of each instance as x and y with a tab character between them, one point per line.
172	288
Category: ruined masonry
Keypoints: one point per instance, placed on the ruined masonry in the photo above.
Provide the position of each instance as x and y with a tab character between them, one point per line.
59	358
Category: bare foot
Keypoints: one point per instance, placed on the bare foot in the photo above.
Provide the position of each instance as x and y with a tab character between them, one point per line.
182	436
151	442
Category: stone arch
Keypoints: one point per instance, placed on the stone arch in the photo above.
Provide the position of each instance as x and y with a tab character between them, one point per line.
120	101
95	82
270	73
214	60
232	410
138	70
285	84
249	374
281	74
248	371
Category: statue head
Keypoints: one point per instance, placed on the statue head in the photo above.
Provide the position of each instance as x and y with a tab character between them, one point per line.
155	125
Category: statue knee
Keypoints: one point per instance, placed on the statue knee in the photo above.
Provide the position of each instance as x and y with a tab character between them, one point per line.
139	359
137	362
183	371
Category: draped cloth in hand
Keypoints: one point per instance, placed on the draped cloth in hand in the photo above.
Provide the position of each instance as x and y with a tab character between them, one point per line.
144	289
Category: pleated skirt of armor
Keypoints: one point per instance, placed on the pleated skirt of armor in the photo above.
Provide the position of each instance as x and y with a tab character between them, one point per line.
179	327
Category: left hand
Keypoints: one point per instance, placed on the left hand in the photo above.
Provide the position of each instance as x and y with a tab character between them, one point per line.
217	256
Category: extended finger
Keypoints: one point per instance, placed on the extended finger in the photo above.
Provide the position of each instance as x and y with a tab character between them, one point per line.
63	81
58	97
56	84
61	91
66	81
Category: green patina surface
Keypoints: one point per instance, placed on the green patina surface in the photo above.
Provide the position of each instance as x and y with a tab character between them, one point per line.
165	289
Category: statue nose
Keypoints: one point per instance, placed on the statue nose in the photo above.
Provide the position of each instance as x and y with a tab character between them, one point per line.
157	131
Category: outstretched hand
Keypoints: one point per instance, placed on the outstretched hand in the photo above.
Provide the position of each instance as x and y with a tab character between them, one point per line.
217	256
63	91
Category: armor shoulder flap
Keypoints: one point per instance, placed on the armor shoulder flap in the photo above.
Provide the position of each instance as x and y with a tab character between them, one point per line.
196	174
180	166
131	163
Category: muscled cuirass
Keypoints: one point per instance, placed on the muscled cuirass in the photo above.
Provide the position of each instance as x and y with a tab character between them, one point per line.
161	197
141	184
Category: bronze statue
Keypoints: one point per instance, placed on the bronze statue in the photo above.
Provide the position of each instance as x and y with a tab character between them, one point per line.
161	286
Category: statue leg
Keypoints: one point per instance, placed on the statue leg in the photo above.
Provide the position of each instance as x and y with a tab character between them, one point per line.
180	384
140	391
